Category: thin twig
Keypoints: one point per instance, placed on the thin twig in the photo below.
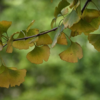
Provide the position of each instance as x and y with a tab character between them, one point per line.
54	29
86	5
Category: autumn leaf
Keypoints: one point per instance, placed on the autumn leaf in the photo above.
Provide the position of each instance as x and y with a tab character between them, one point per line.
9	43
90	14
30	25
44	40
38	54
11	76
62	39
72	54
4	25
94	39
25	44
61	5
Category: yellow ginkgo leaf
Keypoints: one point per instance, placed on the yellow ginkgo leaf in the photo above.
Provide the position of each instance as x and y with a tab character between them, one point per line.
9	43
38	54
72	54
11	76
4	25
25	44
44	40
62	39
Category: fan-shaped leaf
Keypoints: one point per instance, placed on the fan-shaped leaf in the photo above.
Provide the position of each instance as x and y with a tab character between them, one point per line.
62	39
75	4
94	39
90	14
11	76
44	40
4	25
72	54
39	54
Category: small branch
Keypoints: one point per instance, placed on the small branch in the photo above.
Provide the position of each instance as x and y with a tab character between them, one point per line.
41	33
54	29
86	5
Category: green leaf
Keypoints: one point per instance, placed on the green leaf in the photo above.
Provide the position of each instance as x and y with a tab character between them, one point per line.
61	5
4	25
94	39
11	76
38	54
59	31
71	19
75	4
72	54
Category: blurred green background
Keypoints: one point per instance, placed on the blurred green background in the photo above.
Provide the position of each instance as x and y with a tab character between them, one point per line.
54	79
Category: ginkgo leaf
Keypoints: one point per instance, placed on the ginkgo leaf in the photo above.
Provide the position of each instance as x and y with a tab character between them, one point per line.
61	5
62	39
25	44
71	19
44	40
52	22
90	14
11	76
4	25
59	31
94	39
38	54
82	26
30	25
72	54
9	43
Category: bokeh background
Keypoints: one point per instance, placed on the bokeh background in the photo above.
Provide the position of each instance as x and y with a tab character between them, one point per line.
54	79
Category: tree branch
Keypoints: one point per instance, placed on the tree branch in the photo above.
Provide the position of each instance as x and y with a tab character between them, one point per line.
54	29
86	5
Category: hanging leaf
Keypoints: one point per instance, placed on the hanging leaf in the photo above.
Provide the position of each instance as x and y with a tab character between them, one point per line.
59	31
61	5
94	39
11	76
9	43
62	39
38	54
72	54
90	14
25	44
44	40
71	19
4	25
30	25
82	26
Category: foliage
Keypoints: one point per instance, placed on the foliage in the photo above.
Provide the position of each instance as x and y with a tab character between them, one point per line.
73	18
